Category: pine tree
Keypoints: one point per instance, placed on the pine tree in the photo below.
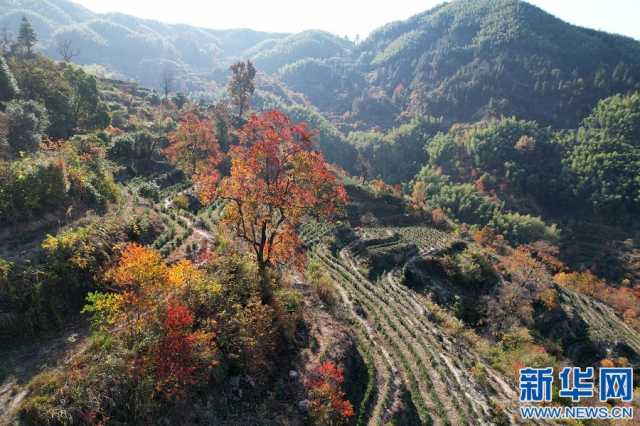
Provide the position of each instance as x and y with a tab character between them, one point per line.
8	86
26	36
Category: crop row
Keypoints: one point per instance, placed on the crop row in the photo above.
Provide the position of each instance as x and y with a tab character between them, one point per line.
396	334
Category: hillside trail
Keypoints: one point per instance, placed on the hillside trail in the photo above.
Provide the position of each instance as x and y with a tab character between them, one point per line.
22	363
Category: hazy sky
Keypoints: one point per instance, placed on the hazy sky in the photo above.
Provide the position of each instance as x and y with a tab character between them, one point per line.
349	17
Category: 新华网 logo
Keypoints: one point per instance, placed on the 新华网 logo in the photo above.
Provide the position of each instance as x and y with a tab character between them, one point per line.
614	384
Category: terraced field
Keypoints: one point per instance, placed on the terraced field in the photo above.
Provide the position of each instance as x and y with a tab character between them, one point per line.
409	350
602	322
393	325
427	239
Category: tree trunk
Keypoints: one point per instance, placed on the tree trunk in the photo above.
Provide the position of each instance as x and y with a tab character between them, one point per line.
266	291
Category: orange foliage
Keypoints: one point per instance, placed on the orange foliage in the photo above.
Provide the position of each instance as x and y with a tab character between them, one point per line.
139	267
547	254
418	195
439	217
378	186
143	279
549	297
484	236
624	300
524	268
328	403
113	131
276	180
606	363
194	148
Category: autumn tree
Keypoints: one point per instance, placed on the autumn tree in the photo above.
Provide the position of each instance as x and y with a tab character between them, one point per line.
194	149
529	282
176	359
241	85
328	404
276	180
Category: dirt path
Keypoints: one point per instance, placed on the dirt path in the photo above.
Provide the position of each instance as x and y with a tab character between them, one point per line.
23	362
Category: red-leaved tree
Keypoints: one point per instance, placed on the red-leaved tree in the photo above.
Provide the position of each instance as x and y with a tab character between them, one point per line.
195	150
328	403
174	361
276	180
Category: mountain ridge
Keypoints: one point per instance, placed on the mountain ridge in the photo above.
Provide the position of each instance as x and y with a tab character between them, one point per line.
462	61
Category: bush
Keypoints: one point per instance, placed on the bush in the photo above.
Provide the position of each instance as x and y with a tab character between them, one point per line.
28	122
328	405
149	190
523	229
29	188
322	283
41	296
471	268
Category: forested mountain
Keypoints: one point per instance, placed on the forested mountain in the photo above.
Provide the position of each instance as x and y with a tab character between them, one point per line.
463	60
469	60
141	49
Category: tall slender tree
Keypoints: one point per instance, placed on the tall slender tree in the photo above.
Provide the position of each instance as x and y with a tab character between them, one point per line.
167	80
8	86
241	85
26	36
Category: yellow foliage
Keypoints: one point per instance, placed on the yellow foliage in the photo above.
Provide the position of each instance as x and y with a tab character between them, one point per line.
549	297
184	272
139	267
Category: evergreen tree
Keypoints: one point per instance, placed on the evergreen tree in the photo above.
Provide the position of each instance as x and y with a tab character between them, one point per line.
26	36
8	85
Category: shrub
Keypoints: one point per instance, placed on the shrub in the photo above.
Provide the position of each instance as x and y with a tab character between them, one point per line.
328	405
289	304
522	229
28	122
322	283
29	189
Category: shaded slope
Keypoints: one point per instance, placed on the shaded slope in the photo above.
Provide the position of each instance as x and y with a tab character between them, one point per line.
466	60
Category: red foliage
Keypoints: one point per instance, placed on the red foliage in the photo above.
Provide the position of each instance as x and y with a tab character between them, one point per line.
174	362
276	180
328	403
624	300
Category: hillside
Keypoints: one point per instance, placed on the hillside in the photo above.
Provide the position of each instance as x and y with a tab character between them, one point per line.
470	60
327	234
